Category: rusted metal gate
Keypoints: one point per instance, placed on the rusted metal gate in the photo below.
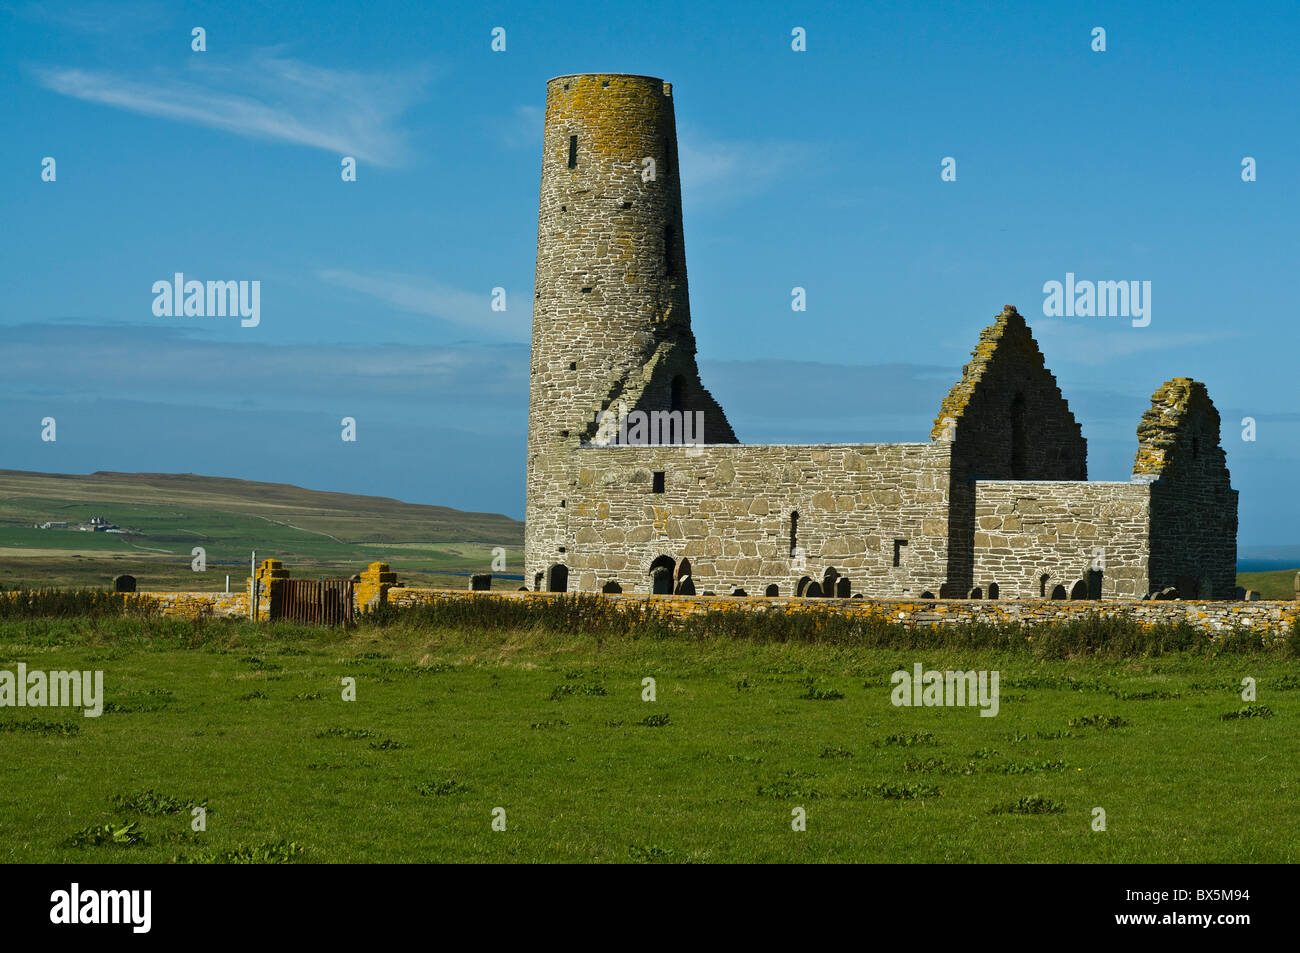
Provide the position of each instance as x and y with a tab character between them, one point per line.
315	602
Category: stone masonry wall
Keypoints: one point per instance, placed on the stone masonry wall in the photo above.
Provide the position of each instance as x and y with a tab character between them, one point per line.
611	312
1193	504
728	511
191	605
1027	530
1272	619
1007	420
1006	416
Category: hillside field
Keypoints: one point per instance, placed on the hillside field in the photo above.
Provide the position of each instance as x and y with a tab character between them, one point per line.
166	515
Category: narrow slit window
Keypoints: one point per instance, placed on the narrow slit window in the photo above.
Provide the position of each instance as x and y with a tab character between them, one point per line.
573	152
659	481
898	551
794	532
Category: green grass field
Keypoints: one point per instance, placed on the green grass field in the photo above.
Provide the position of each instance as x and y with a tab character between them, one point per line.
166	515
1270	585
452	722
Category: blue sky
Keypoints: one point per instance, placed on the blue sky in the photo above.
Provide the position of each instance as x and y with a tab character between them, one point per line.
818	169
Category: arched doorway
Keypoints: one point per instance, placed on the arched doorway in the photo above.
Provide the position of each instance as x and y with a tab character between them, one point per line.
661	576
683	584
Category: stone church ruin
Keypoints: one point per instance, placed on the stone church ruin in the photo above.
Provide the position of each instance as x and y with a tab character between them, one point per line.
995	504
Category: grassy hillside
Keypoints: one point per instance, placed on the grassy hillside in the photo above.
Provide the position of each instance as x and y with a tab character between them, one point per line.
166	515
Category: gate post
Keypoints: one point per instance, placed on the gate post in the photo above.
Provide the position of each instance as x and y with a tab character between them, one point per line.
372	591
266	589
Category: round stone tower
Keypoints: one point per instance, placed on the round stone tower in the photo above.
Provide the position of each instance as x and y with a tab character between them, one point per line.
611	314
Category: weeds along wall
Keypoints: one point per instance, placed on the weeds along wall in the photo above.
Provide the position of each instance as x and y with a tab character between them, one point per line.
1271	619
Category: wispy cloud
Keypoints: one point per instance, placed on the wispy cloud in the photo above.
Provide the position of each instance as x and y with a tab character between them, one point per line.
70	362
1098	341
346	112
715	170
96	16
417	295
521	129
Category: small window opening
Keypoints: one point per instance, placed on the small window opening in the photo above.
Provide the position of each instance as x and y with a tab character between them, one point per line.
794	532
659	481
573	365
573	152
898	551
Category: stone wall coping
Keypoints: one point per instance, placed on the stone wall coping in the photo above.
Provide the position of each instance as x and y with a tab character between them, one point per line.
1082	604
656	79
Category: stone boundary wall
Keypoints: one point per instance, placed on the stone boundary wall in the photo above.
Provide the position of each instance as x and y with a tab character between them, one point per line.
1272	618
192	605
